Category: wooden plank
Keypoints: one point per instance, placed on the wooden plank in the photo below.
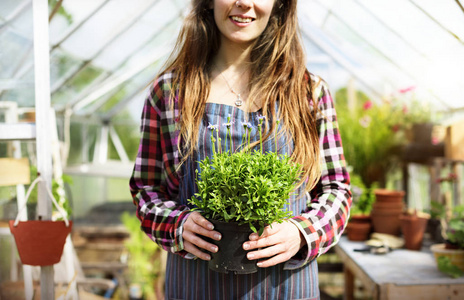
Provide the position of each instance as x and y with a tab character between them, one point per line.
370	286
14	171
425	292
454	140
17	131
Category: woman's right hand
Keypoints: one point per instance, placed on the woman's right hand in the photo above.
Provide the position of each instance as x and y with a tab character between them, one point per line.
195	227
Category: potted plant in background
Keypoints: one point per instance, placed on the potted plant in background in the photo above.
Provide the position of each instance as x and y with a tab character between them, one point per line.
450	255
144	262
359	225
240	193
370	135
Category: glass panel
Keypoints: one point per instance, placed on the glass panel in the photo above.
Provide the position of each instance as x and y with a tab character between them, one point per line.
23	96
74	13
60	64
75	85
152	25
412	24
14	51
114	18
7	7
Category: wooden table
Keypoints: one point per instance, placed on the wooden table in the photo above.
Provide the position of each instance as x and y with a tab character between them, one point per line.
400	274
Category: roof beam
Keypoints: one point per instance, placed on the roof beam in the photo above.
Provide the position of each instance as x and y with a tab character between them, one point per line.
436	21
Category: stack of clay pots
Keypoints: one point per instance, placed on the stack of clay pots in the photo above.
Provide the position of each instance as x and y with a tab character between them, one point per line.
386	211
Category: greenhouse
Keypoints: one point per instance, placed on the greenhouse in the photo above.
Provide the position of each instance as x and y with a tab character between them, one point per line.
74	79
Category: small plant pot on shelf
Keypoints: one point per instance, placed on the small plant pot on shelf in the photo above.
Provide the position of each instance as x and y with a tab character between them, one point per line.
359	228
231	257
413	228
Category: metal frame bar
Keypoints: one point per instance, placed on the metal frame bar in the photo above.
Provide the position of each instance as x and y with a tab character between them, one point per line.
118	145
460	5
100	152
437	22
42	100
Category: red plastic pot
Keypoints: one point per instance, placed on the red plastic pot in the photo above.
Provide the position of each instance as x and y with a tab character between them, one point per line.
40	243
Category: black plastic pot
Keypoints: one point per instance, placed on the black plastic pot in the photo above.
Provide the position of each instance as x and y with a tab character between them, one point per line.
231	257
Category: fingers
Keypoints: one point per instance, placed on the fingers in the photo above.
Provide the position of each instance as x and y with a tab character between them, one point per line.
195	227
277	244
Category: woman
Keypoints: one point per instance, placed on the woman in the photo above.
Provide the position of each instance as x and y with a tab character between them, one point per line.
241	59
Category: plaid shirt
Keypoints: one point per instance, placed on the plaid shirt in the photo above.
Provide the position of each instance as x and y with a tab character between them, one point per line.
154	183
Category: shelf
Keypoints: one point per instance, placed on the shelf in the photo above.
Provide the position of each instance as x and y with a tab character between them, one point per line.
17	131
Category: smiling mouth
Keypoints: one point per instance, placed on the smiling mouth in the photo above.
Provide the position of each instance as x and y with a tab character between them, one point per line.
241	20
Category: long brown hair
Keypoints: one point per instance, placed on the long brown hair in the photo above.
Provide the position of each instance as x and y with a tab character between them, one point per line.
277	73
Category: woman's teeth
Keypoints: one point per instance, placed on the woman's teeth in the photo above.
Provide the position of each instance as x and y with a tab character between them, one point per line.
241	20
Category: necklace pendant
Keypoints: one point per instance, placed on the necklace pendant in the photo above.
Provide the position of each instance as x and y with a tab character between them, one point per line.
239	101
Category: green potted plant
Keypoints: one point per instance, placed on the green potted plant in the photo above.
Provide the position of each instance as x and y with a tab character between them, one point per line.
450	255
242	192
144	265
359	225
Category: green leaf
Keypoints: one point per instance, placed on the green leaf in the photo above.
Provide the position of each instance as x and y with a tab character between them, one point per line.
445	266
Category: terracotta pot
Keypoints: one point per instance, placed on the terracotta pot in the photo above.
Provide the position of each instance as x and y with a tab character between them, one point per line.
360	219
455	255
397	211
40	243
358	231
388	205
413	228
386	222
383	195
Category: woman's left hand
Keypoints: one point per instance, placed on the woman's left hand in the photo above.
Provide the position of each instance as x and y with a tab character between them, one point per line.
279	244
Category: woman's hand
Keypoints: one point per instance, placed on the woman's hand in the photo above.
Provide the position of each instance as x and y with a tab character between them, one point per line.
279	244
197	226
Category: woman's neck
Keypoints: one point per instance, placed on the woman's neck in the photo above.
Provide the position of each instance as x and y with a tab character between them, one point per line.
233	56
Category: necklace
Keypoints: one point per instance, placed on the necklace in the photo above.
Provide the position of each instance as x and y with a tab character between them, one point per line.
238	101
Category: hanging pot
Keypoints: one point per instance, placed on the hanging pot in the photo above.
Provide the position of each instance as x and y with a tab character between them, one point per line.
40	243
231	257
